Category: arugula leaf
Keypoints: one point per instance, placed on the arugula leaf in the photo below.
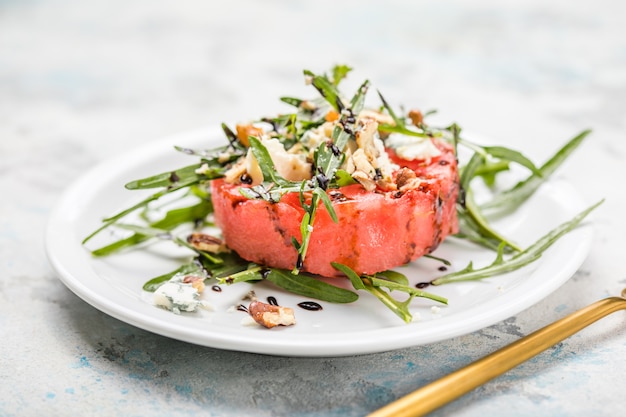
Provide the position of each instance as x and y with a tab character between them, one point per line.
143	203
171	220
523	258
266	163
191	268
186	175
327	89
383	127
307	286
292	101
481	224
400	124
339	73
391	280
513	197
343	178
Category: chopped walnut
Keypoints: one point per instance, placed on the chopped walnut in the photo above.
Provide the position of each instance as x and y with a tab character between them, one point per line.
196	282
207	243
416	117
233	175
406	179
245	131
365	180
269	315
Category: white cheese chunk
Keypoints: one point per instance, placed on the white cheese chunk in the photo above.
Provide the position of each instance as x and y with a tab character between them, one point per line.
178	296
412	148
292	167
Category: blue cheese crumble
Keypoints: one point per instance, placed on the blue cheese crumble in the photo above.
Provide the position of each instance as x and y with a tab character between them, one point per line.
180	294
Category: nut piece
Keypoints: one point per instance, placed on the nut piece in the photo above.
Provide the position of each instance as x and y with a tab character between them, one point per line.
196	282
206	243
406	179
416	117
245	131
269	315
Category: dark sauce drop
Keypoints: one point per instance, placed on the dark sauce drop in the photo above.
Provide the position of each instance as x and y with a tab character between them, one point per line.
272	301
216	288
310	305
243	308
245	178
337	196
422	284
443	268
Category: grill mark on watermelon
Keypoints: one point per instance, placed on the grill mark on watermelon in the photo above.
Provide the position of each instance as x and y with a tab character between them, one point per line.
411	252
275	219
351	259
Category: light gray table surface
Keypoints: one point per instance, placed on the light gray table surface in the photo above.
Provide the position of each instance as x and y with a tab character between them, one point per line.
82	82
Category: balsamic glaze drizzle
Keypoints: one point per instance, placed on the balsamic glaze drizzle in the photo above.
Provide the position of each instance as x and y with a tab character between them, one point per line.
310	305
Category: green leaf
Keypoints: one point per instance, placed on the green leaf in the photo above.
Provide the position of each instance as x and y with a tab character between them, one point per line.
327	89
230	263
343	178
327	203
171	220
252	273
186	175
468	172
187	269
512	156
355	279
339	73
310	287
481	224
394	276
358	99
400	125
489	171
143	203
400	308
295	102
405	131
414	292
515	196
532	253
266	164
394	282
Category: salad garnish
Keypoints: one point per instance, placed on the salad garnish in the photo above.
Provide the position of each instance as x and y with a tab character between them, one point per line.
188	187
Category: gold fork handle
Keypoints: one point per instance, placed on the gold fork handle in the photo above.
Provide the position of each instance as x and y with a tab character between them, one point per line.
458	383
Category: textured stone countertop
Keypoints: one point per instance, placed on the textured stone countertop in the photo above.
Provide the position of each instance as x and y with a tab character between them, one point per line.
82	82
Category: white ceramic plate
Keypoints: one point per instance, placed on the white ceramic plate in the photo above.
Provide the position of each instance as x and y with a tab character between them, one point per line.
114	284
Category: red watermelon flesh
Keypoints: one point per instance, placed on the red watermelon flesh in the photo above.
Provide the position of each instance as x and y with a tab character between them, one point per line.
376	230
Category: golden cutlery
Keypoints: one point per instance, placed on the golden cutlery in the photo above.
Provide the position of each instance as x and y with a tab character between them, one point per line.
458	383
